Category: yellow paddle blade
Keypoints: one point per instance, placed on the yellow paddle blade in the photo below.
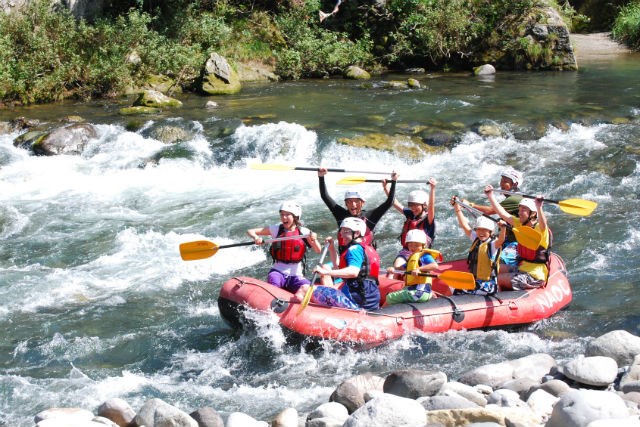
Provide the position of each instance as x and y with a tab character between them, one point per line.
271	167
199	249
306	299
352	180
458	279
527	237
579	207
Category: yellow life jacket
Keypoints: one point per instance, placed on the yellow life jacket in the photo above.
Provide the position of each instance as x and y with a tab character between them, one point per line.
481	261
414	262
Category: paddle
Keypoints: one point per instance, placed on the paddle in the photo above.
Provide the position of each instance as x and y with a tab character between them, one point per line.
525	236
309	293
277	167
354	180
454	279
580	207
201	249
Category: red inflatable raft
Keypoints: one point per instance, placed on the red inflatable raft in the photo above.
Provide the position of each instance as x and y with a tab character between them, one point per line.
444	313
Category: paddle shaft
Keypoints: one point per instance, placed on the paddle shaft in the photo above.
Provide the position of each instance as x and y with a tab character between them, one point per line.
308	168
359	181
276	239
479	212
527	196
309	293
419	274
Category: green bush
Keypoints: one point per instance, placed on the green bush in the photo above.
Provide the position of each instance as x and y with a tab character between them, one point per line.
626	28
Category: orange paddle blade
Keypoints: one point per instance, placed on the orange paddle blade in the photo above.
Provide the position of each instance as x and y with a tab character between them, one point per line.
199	249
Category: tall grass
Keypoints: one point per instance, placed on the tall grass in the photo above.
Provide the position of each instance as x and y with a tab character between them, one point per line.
626	27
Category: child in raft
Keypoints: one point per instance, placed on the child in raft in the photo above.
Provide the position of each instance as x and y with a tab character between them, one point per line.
417	287
484	254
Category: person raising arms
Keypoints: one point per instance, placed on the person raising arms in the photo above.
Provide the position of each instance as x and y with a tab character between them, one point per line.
484	252
353	283
354	203
420	214
288	255
531	270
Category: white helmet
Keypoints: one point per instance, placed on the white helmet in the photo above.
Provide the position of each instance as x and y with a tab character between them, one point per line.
418	196
528	203
514	176
353	194
291	206
354	224
486	223
416	235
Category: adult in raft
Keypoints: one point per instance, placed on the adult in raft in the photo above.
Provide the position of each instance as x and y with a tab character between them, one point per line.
531	271
354	283
288	255
510	180
354	203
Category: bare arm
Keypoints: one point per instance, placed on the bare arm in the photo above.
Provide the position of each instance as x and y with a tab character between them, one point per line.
542	218
502	234
255	234
431	212
462	220
506	216
313	241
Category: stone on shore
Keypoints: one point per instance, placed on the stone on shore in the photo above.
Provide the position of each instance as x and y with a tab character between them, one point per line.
156	412
286	418
414	383
350	392
207	417
330	412
239	419
118	411
620	345
534	366
578	408
388	410
597	371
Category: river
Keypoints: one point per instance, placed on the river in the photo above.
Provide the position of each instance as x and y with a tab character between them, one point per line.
96	302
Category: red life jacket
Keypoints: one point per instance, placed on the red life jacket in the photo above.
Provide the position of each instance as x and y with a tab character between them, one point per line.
288	251
367	239
410	224
538	256
370	268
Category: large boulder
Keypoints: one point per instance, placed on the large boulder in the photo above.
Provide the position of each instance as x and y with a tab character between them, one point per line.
157	413
597	371
578	408
414	383
620	345
534	366
388	410
155	99
70	139
351	392
118	411
218	77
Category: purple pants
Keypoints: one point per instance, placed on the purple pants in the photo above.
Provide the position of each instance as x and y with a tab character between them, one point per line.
289	283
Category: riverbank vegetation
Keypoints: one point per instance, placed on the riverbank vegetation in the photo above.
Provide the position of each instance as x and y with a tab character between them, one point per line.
626	28
47	56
